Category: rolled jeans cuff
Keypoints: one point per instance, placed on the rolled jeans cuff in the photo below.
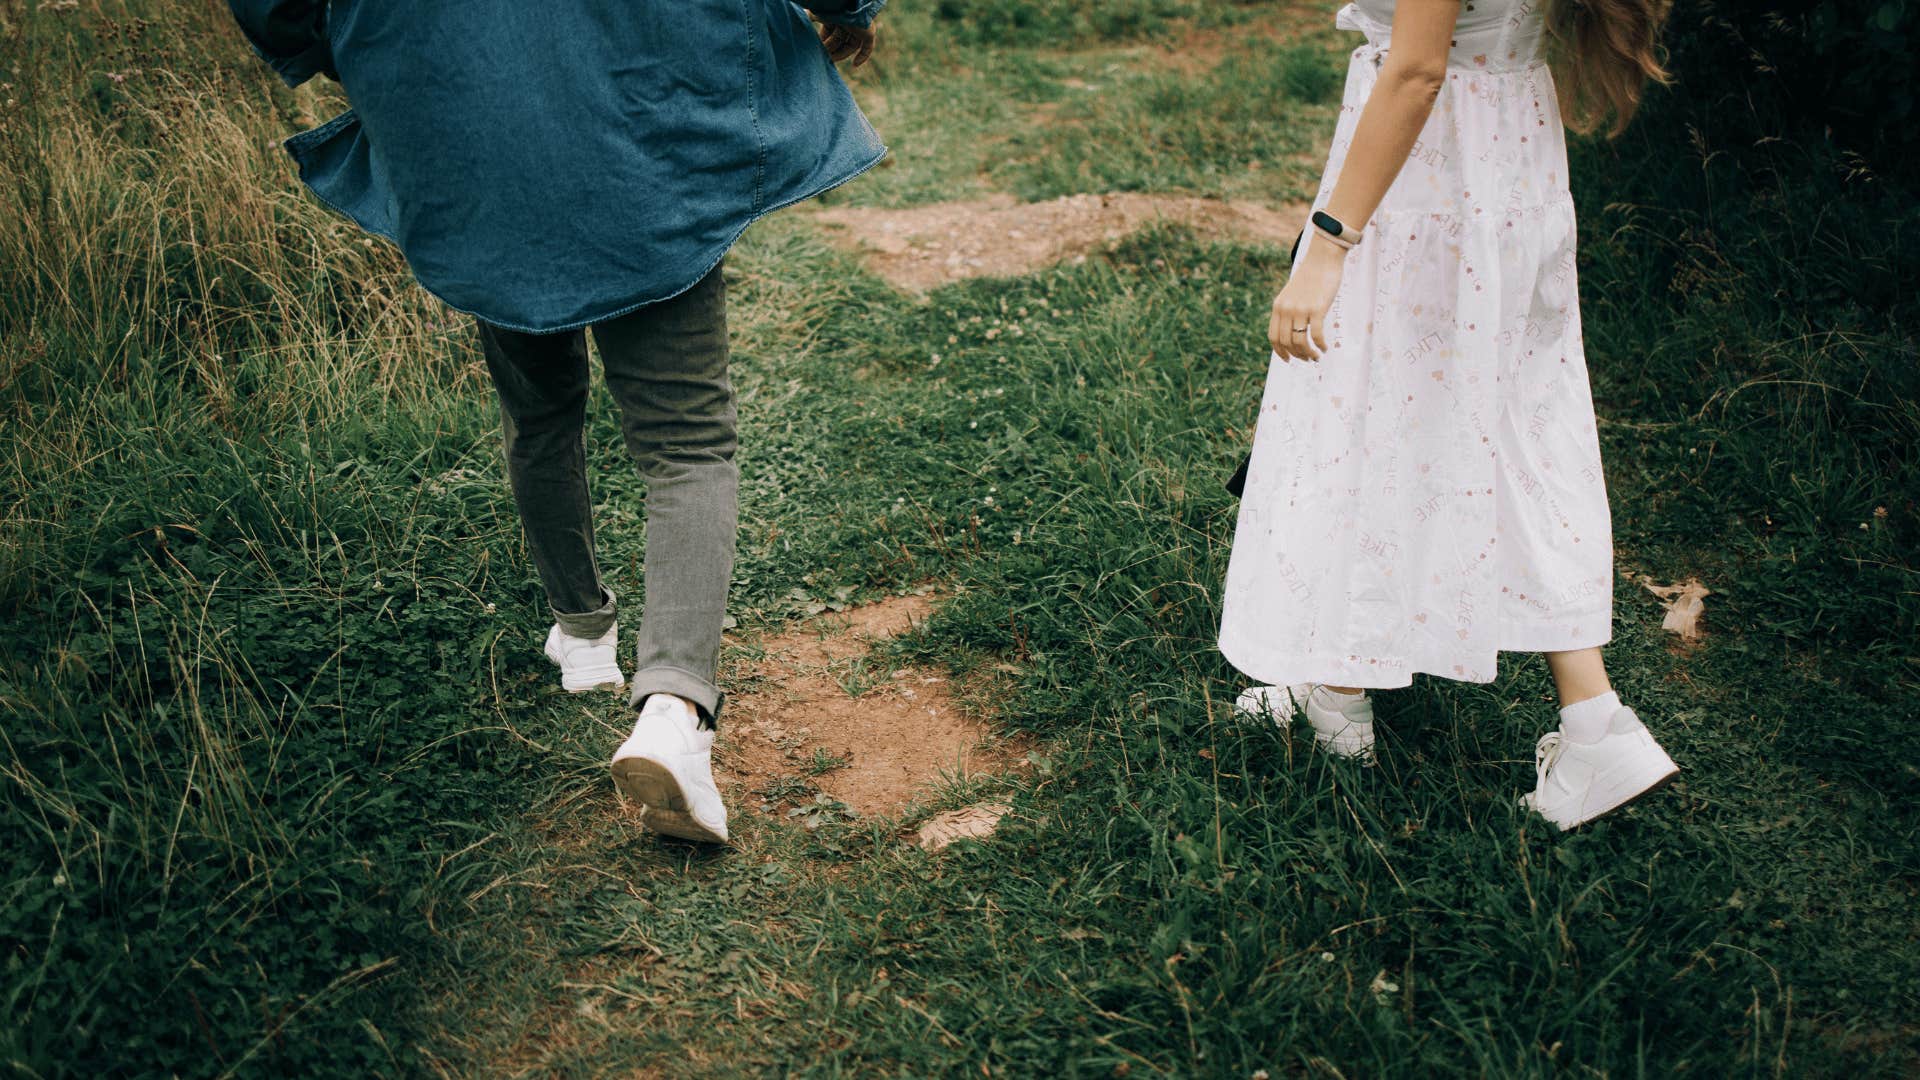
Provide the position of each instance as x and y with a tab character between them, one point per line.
588	624
681	683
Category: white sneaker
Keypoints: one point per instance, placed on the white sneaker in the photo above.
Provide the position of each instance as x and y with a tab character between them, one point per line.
1275	703
666	766
1342	726
1576	782
586	663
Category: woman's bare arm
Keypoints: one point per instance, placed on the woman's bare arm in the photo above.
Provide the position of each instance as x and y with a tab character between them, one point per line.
1410	78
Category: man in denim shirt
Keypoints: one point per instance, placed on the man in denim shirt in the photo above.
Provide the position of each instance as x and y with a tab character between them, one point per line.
569	164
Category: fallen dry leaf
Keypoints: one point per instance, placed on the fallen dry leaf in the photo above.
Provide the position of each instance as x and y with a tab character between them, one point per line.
973	822
1684	605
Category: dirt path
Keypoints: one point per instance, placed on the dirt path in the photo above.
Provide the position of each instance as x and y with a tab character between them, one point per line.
924	247
818	711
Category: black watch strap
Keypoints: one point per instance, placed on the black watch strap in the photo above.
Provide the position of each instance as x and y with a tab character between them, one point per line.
1332	226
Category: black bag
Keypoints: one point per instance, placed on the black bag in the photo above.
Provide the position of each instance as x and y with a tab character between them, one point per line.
1237	483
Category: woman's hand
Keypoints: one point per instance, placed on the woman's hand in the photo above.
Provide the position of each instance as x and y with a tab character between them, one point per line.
1298	329
847	42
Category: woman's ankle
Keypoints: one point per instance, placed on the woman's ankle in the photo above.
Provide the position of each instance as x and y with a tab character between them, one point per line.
1580	675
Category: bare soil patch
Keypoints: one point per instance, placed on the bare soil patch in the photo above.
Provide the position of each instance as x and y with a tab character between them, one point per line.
924	247
818	711
813	709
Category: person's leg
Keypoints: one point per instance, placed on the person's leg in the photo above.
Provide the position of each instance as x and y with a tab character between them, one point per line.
1587	700
666	364
541	381
1579	675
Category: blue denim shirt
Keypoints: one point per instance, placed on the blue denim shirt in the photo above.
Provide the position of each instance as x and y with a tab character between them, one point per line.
553	164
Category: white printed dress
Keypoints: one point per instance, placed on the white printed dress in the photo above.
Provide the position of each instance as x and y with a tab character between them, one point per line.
1428	493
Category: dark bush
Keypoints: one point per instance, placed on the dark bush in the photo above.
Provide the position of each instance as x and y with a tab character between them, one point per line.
1747	253
1842	70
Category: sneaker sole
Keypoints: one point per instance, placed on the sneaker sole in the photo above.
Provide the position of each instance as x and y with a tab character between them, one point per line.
1619	793
593	680
654	787
1342	746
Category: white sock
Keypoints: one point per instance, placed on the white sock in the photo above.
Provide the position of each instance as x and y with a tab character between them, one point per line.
674	701
1586	721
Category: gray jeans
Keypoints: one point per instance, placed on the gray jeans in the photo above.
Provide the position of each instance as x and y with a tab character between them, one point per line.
666	365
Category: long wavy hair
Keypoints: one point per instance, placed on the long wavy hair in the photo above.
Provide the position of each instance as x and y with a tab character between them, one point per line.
1604	52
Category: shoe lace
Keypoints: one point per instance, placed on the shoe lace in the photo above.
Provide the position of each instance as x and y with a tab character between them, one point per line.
1545	753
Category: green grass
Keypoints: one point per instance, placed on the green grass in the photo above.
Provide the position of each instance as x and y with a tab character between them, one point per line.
284	788
1237	102
1017	23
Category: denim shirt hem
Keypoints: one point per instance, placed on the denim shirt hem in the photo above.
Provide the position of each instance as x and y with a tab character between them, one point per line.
563	226
718	252
298	146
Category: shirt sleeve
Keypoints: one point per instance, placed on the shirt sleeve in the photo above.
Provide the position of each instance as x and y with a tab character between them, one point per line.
845	12
290	35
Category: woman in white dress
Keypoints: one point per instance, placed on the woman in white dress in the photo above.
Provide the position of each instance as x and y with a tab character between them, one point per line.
1425	488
